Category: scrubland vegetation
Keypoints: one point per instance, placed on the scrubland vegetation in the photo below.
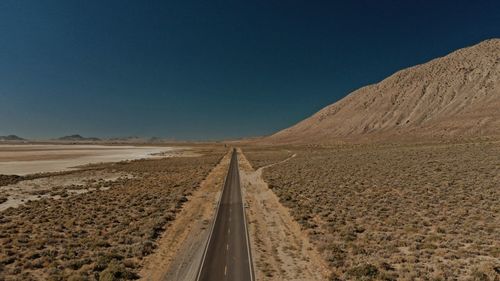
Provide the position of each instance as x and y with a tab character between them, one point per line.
260	156
102	234
396	212
9	179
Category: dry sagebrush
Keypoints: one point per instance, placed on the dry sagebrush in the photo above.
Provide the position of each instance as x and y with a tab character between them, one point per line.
102	234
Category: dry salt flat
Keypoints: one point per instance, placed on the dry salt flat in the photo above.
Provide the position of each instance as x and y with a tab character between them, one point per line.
29	159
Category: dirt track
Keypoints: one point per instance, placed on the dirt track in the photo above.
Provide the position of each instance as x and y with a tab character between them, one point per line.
281	250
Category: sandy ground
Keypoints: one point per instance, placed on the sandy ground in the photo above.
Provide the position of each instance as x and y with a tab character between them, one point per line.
29	159
57	187
181	247
99	230
281	251
396	211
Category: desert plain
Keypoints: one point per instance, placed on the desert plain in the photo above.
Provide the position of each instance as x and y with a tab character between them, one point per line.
399	180
401	211
22	159
427	211
96	222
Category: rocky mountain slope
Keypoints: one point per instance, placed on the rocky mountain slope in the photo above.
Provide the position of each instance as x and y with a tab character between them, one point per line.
453	96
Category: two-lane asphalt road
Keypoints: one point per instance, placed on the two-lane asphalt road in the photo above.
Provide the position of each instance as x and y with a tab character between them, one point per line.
227	255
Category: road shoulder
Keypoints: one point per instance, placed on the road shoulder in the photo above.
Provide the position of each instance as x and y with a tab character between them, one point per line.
281	251
181	247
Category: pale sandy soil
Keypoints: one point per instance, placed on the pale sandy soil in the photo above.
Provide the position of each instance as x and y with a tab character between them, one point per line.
29	159
180	249
281	251
396	211
57	186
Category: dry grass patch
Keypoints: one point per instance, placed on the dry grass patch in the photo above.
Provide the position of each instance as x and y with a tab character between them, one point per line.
398	212
261	157
102	234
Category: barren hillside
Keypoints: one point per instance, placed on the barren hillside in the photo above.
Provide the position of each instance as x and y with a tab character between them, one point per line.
454	96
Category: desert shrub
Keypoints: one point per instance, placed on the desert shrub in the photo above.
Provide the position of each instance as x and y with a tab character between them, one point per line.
260	157
78	277
479	276
116	271
363	272
9	179
102	233
423	209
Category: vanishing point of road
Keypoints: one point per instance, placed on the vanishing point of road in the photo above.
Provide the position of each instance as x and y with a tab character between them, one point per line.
227	255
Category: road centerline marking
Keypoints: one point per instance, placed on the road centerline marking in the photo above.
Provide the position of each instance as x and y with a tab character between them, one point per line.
235	262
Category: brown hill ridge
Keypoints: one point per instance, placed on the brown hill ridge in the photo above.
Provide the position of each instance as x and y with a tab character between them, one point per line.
453	96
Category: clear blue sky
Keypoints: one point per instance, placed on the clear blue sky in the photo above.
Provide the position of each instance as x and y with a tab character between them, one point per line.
210	69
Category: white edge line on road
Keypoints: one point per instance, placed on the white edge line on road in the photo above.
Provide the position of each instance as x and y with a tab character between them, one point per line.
250	261
213	224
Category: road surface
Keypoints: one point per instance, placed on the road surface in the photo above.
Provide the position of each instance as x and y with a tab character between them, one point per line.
227	255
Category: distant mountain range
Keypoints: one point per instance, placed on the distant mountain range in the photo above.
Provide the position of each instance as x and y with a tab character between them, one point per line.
80	138
136	139
77	138
454	96
11	138
130	139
